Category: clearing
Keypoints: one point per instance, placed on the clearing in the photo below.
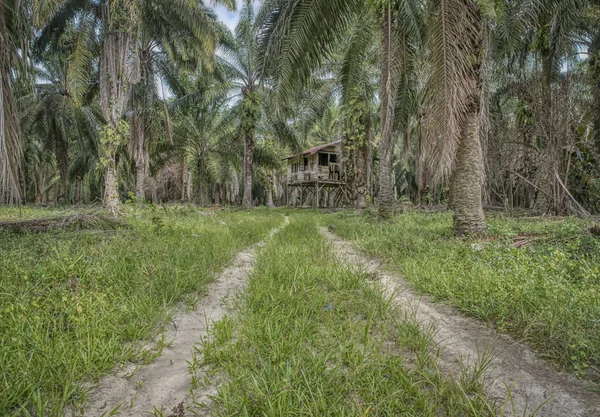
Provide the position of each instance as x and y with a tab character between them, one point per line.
146	320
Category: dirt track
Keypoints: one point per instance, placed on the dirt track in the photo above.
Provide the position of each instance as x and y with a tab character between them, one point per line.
534	382
164	385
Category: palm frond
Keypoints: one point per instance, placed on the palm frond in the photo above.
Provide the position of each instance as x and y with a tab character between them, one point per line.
455	33
80	60
297	36
60	20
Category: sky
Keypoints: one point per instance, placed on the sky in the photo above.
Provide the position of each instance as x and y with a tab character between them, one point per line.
231	18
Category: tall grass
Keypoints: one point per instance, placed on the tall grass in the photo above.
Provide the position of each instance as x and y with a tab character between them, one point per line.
74	304
546	293
315	338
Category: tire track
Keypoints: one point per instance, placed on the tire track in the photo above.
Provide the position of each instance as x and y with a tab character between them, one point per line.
517	376
164	385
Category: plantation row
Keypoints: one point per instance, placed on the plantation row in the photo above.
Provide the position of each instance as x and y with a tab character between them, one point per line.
460	102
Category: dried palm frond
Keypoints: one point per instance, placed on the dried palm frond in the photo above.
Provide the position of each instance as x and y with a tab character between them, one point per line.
77	221
454	36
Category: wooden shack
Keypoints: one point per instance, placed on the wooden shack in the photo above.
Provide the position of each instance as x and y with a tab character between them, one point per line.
315	177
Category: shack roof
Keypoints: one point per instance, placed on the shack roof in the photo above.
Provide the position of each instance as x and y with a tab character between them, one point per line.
314	150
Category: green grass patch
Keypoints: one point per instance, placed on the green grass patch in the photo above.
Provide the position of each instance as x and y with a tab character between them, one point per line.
537	279
312	337
73	304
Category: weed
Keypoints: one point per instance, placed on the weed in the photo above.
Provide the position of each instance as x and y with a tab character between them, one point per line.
75	304
314	337
537	279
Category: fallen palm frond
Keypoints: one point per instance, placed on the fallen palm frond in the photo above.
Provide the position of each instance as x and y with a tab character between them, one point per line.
75	221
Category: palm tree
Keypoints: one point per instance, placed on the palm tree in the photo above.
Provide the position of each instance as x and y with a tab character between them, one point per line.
593	31
168	41
297	36
456	37
118	21
205	133
357	77
532	44
10	133
400	29
53	114
239	66
114	20
555	24
210	139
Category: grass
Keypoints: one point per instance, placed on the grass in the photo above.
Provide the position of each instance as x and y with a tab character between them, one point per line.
75	304
546	292
312	337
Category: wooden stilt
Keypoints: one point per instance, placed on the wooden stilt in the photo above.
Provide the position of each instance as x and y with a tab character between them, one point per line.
318	195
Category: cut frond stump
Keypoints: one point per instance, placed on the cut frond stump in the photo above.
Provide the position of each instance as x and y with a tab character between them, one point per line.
70	222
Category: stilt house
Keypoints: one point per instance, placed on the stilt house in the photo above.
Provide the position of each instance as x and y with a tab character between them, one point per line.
315	177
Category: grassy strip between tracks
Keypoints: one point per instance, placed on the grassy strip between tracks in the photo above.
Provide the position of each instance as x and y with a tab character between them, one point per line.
312	337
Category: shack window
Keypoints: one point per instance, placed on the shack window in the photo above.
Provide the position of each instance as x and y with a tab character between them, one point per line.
323	162
333	158
294	168
305	163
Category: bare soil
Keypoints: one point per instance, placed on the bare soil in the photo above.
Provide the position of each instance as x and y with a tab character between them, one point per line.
531	381
164	385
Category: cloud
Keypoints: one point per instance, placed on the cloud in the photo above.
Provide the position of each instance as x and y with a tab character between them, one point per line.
231	18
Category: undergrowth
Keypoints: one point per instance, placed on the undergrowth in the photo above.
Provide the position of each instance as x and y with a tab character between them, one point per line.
312	337
73	304
538	279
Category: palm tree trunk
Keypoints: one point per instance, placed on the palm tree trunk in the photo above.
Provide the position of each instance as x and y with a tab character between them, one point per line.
361	166
110	197
140	184
62	157
466	182
78	189
349	163
361	178
248	170
203	185
217	194
153	190
421	172
388	92
276	193
595	76
201	191
114	88
270	189
139	150
185	181
39	185
10	131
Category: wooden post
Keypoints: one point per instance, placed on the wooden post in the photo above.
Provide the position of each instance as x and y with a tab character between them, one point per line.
318	194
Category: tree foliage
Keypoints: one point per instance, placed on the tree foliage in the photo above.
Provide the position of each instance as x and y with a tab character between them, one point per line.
180	108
